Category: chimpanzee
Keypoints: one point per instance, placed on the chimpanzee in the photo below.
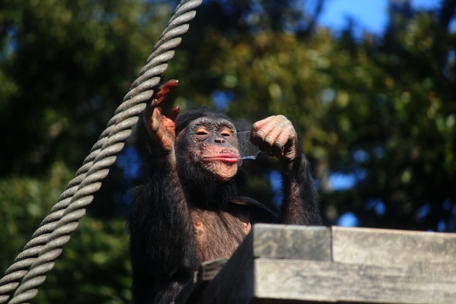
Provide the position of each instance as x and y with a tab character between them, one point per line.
189	210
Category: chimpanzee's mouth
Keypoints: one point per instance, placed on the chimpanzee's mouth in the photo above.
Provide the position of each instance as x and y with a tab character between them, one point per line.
225	155
228	158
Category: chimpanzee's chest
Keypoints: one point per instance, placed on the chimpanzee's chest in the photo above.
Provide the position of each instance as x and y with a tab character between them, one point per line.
218	233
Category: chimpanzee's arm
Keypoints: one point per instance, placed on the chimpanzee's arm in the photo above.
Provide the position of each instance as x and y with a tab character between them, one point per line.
300	198
276	136
161	231
162	242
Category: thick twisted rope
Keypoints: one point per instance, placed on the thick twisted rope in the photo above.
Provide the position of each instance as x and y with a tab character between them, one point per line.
39	254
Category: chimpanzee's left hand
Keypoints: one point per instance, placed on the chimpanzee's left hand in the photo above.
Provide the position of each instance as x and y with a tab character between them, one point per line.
161	129
276	136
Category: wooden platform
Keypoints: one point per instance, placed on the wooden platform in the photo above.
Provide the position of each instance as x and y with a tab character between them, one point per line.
298	264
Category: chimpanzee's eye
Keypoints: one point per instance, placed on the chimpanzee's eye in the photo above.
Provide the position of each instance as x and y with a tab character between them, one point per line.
201	132
226	133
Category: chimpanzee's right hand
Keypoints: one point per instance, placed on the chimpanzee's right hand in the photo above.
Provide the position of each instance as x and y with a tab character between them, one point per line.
161	129
276	136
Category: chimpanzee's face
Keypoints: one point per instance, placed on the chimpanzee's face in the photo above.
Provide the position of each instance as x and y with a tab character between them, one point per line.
212	144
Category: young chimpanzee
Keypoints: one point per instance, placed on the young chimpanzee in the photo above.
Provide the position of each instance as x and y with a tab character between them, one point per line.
189	211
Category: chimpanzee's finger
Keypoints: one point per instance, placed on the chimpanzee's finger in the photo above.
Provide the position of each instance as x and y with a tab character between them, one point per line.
261	129
164	90
256	126
173	114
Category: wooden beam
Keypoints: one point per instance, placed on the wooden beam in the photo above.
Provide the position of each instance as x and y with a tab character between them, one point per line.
297	264
291	242
328	282
392	247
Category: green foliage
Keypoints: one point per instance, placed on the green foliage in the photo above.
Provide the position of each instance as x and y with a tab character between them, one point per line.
399	109
23	204
70	63
94	267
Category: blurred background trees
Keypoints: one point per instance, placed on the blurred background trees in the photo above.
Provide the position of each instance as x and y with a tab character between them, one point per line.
376	114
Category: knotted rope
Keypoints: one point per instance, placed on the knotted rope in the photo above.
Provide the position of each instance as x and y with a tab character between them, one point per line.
28	271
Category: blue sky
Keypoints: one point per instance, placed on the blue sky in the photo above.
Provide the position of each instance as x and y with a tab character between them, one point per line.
370	15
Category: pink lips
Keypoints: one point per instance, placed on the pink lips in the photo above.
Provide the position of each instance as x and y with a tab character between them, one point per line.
226	157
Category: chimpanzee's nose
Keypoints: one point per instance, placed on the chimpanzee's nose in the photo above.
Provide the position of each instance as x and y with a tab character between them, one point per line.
219	140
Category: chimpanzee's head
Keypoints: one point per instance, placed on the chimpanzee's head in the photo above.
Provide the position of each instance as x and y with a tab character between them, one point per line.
206	142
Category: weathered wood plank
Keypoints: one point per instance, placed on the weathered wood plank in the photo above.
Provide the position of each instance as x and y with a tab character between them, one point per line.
391	247
292	242
298	280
